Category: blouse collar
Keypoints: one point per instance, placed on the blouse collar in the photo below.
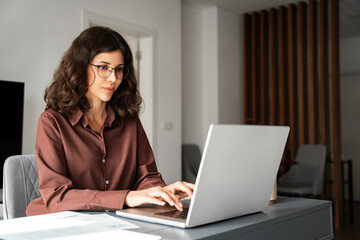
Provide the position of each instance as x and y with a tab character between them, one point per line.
76	115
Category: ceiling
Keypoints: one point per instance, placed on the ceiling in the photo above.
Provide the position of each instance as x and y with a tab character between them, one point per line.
349	10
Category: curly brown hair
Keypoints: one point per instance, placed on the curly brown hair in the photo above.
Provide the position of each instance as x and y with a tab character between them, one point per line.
69	85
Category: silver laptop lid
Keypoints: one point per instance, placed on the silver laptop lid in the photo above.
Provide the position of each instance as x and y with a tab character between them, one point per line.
237	171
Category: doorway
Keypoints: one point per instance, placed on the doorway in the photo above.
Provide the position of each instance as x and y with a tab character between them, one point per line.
141	41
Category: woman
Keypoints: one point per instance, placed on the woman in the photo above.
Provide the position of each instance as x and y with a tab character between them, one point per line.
91	149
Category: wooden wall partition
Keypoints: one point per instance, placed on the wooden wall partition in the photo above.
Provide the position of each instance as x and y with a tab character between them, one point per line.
255	73
283	67
288	80
303	74
274	66
264	68
292	79
324	74
247	66
313	75
335	111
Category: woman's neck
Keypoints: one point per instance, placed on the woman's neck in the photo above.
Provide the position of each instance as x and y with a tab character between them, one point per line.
96	116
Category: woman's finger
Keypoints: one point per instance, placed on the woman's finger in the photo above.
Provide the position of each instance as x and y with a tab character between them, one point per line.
156	201
176	200
190	185
182	186
161	193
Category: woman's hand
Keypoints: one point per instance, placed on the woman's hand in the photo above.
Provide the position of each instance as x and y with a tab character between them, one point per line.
181	189
170	194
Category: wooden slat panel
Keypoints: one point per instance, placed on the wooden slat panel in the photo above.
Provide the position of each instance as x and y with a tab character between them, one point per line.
274	66
293	105
303	92
283	54
283	64
324	75
264	67
313	74
324	83
335	113
247	67
255	70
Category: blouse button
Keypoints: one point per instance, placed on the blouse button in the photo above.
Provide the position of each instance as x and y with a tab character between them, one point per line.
107	182
103	161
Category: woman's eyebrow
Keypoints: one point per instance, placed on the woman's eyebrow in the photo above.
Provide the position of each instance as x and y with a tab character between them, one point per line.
121	64
104	62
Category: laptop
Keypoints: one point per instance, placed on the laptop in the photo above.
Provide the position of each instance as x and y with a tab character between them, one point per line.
236	175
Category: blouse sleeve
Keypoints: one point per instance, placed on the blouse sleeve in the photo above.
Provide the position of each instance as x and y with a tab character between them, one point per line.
147	174
57	190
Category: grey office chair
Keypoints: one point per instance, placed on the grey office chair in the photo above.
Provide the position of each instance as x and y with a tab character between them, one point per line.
20	184
191	157
306	176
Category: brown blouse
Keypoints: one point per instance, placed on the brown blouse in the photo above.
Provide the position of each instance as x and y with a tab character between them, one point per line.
80	169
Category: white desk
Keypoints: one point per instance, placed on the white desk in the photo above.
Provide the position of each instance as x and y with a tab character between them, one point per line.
288	218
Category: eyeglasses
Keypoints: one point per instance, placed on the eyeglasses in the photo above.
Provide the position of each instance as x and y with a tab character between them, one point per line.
104	71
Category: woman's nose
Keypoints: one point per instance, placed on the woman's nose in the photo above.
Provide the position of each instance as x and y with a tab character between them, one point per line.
112	77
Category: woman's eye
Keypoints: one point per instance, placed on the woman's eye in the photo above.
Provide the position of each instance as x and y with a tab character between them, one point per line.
119	69
104	67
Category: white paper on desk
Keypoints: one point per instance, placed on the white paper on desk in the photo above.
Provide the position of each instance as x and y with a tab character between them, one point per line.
61	225
116	234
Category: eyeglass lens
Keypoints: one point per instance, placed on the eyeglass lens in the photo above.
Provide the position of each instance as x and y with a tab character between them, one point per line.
105	71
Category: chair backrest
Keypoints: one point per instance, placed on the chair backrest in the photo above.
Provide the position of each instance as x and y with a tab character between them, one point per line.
313	156
307	176
20	184
191	157
310	167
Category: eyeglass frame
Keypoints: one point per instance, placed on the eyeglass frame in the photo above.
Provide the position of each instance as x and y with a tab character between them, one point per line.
110	72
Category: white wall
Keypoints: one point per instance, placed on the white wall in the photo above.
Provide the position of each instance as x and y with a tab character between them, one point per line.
350	105
210	69
230	68
35	34
192	82
212	85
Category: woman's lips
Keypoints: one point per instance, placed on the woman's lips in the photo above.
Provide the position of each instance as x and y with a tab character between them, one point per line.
109	89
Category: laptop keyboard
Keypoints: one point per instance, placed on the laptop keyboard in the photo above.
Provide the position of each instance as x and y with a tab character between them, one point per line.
175	213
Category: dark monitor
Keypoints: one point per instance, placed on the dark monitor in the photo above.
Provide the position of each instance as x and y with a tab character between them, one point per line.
11	120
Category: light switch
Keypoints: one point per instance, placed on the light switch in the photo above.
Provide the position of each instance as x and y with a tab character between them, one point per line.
167	126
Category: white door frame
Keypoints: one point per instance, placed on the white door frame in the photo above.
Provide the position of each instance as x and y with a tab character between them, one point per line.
91	18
